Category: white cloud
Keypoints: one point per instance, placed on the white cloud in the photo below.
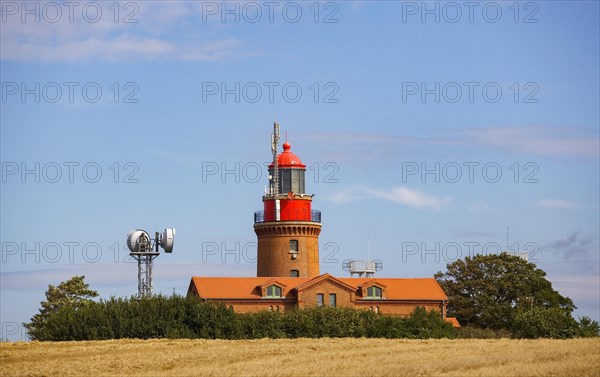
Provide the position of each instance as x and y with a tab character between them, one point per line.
357	148
164	31
537	140
558	204
122	274
400	195
118	48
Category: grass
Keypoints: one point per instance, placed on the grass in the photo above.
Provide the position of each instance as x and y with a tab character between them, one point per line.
303	357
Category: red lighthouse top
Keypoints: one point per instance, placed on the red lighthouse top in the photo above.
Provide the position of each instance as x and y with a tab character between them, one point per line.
288	201
287	159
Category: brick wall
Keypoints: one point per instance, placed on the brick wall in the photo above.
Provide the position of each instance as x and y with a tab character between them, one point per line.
397	308
273	254
251	307
308	297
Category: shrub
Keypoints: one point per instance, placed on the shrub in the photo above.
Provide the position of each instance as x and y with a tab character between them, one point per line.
422	324
545	323
588	328
264	324
180	317
472	332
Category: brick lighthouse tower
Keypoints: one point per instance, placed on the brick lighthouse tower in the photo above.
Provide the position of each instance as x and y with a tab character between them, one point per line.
287	228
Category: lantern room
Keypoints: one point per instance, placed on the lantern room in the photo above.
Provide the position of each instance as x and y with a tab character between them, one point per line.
291	172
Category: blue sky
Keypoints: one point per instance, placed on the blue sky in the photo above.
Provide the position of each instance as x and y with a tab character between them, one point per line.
429	129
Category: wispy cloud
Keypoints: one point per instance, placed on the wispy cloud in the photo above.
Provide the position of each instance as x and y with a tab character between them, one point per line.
583	289
538	140
546	141
576	247
101	276
558	204
400	195
164	31
472	233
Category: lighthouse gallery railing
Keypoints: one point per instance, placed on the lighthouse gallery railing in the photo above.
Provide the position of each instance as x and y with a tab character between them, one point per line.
266	216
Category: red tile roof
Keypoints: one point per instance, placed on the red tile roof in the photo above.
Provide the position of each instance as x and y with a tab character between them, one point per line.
404	288
246	287
453	321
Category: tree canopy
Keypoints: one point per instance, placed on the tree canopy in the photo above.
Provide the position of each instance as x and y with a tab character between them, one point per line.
73	293
488	291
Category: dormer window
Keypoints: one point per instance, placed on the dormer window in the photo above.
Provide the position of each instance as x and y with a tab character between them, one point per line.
374	292
273	291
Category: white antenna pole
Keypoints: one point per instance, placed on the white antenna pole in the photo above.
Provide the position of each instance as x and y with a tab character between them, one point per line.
275	148
507	247
368	248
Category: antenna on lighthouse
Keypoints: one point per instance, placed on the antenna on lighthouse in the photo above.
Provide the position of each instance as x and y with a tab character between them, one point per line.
274	149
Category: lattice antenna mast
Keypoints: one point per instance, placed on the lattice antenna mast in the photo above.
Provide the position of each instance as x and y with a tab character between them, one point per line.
145	258
274	149
144	251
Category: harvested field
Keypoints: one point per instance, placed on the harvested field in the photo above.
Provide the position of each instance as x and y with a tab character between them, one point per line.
303	357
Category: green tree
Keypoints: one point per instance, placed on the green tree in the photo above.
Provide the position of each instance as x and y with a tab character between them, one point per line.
588	328
487	291
423	324
73	293
540	322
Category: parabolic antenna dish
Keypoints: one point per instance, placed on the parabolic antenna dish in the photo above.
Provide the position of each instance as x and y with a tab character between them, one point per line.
135	237
166	240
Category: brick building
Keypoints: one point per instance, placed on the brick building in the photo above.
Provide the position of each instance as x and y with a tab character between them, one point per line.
288	274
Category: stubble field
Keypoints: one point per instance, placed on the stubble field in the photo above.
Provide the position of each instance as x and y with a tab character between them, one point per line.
303	357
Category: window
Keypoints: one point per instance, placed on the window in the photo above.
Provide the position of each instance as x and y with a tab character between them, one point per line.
285	180
298	181
374	292
273	291
294	248
332	299
290	180
294	273
319	299
377	309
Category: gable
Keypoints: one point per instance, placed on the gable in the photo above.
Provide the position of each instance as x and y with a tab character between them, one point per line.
367	289
328	280
272	288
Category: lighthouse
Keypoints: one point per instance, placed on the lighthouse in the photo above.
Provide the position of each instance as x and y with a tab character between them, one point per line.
288	276
287	228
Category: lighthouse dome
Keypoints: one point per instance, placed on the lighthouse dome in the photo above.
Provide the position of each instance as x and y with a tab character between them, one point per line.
287	159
